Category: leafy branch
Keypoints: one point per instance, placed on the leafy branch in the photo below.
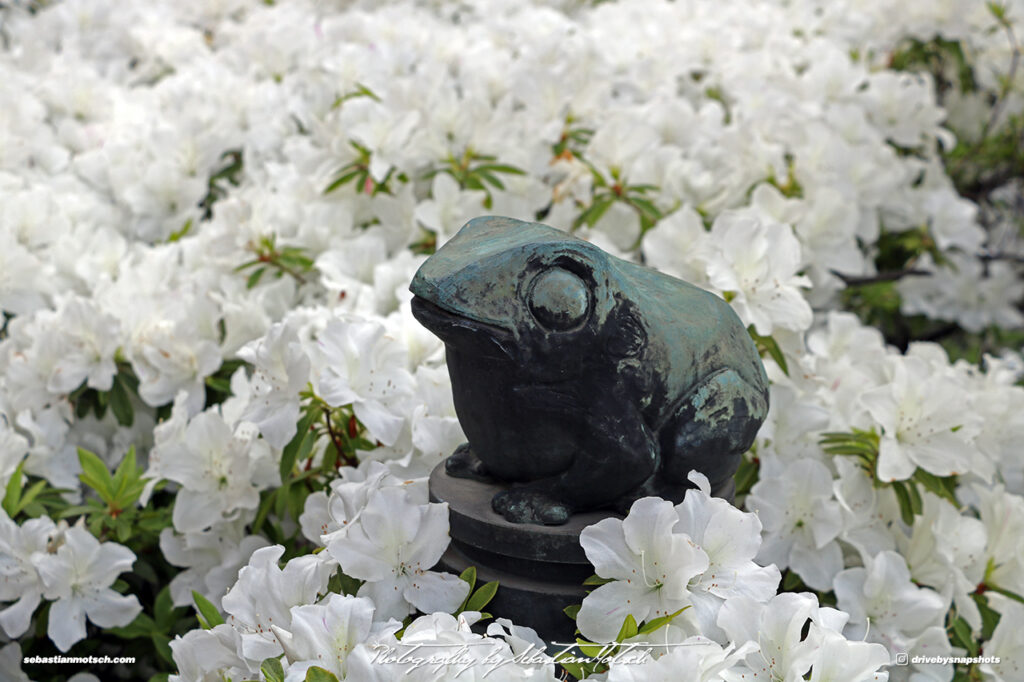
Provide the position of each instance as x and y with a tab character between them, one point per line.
116	512
359	172
864	447
476	171
572	140
340	435
596	655
228	173
285	260
360	91
607	191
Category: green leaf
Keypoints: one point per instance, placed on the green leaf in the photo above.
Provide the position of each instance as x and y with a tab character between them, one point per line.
482	597
341	583
163	609
944	487
207	610
660	622
916	504
591	649
906	506
962	636
29	496
594	212
469	576
1007	593
490	178
767	344
574	669
142	626
185	229
499	168
84	404
344	177
647	208
95	474
989	616
127	483
572	610
121	402
12	495
746	475
267	501
162	644
290	454
628	629
598	580
791	582
317	674
272	670
219	384
254	277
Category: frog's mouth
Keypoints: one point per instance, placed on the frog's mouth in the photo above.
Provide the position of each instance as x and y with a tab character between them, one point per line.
464	333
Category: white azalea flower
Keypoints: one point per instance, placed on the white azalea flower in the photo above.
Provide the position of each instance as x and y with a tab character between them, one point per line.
327	518
436	431
281	372
702	660
13	448
783	653
755	262
883	595
265	594
449	207
330	635
211	559
460	654
841	660
208	655
221	472
393	547
650	564
78	577
88	339
801	522
20	582
674	244
923	420
1007	643
730	538
1002	513
169	357
945	551
10	663
363	366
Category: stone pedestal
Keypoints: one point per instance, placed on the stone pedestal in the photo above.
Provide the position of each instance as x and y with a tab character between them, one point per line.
540	569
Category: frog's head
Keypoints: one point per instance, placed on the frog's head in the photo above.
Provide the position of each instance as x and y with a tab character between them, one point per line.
525	292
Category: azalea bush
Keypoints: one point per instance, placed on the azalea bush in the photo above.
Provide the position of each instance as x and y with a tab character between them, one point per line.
217	413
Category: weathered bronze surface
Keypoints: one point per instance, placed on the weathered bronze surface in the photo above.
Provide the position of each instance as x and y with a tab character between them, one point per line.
583	380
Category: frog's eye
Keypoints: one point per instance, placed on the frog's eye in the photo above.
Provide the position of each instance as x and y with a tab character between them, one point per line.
559	299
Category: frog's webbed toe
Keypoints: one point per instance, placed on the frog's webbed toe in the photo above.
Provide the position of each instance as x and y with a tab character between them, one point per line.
463	463
522	505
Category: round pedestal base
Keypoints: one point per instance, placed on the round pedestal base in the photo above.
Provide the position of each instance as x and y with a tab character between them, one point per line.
540	569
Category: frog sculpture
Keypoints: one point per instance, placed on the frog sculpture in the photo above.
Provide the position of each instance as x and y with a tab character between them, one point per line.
583	381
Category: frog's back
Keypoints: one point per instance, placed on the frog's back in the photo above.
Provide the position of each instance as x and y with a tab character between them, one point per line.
692	333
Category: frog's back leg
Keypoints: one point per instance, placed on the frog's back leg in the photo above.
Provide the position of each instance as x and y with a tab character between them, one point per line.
712	428
615	454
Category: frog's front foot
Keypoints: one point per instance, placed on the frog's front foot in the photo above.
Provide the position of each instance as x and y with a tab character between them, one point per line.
522	505
463	463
